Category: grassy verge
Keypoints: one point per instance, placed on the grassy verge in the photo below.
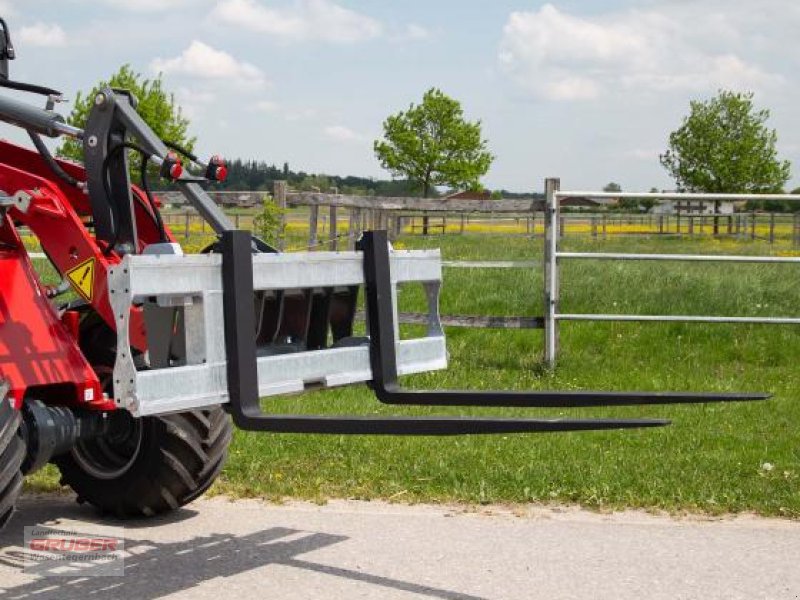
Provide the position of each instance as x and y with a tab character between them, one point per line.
715	458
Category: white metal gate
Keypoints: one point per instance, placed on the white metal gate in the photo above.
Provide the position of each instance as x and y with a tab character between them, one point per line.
553	256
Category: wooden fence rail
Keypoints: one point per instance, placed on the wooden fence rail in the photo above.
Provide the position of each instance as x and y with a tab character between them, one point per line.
336	220
331	229
474	322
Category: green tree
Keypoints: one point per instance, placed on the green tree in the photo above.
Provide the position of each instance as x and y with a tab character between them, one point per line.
156	106
315	183
649	203
725	146
268	223
431	144
622	203
792	206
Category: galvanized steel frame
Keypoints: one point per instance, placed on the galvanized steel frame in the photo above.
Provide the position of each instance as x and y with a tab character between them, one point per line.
195	283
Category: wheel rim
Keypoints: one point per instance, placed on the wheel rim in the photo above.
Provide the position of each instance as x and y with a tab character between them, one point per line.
111	455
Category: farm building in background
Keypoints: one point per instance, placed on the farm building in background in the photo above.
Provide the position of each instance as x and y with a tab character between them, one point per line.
693	207
579	203
469	195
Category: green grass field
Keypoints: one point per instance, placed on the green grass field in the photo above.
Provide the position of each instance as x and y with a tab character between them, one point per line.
714	458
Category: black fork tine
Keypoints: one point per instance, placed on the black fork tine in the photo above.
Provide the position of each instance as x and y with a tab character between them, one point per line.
547	399
349	425
383	360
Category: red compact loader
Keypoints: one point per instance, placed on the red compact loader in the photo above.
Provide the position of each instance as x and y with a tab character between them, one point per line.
132	389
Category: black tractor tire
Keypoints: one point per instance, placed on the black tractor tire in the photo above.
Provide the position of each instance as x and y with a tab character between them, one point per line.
151	465
143	466
12	453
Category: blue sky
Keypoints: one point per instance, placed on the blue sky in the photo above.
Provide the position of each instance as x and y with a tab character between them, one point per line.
587	91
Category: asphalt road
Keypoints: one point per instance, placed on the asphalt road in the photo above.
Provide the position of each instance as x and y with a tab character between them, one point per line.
220	549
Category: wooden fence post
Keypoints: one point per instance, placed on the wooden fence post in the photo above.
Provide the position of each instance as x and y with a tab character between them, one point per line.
279	193
186	228
753	226
771	228
312	225
351	228
594	227
398	225
796	230
332	230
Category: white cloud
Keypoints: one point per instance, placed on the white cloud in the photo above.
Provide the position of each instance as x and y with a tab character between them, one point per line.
145	6
202	61
305	20
340	133
204	97
46	35
193	102
301	114
417	32
644	154
266	106
675	46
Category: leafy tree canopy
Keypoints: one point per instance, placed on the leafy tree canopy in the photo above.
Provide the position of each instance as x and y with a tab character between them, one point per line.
156	106
431	144
724	146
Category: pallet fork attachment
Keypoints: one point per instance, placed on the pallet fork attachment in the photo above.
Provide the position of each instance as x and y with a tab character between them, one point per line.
205	373
245	404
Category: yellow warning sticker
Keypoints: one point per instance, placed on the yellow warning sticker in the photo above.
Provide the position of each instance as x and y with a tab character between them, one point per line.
82	279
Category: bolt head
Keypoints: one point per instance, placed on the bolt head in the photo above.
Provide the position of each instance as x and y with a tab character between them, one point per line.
92	141
100	99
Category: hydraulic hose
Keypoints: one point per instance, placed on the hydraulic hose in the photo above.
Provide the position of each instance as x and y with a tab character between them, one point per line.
51	162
